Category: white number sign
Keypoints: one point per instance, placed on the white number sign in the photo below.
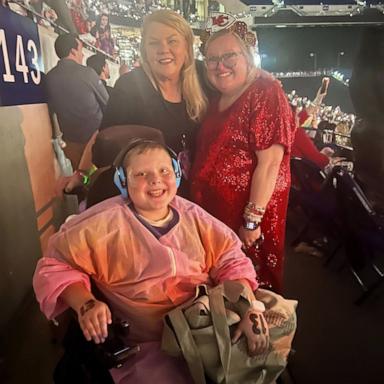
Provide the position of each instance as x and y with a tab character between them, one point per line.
20	63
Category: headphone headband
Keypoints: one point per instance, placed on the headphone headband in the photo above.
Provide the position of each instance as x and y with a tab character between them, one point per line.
120	178
118	162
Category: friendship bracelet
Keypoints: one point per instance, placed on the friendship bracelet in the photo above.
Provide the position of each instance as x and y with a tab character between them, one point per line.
86	174
253	218
84	177
253	212
92	170
255	208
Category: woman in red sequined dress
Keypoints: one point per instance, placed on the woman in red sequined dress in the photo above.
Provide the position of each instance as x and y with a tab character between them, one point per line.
241	170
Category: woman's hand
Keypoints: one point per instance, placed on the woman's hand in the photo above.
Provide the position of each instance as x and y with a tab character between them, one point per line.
336	160
94	317
50	14
255	328
249	238
327	151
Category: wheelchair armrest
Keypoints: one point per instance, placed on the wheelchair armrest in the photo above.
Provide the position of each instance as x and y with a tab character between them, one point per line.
113	353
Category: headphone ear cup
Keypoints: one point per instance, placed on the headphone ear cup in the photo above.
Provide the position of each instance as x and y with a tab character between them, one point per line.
177	169
120	182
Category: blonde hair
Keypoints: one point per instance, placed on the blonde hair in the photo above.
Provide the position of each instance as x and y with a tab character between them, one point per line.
245	48
192	92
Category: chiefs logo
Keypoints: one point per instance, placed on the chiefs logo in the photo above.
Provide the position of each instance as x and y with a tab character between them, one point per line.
218	21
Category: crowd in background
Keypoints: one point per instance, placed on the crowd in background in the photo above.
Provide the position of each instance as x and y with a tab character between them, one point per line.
328	118
91	19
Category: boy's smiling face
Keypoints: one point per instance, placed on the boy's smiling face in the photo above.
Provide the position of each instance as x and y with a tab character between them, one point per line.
151	183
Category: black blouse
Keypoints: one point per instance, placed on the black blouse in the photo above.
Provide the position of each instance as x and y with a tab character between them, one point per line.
134	100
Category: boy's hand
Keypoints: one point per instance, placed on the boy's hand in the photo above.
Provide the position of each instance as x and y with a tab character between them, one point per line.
249	238
94	317
255	328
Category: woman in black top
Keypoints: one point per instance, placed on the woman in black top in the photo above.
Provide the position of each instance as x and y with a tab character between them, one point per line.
165	93
134	100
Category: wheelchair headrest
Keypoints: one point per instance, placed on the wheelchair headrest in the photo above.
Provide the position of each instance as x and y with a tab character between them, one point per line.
110	141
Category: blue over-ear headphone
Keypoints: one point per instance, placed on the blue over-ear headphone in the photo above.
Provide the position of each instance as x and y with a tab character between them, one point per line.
120	178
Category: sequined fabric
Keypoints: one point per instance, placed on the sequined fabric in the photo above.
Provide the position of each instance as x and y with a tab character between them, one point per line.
225	161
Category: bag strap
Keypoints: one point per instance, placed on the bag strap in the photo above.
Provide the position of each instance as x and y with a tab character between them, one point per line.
219	320
187	345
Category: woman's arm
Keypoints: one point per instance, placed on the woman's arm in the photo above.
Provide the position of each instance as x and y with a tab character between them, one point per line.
85	165
307	149
262	185
265	175
314	106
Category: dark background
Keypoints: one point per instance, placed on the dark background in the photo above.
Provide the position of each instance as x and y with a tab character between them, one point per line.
289	48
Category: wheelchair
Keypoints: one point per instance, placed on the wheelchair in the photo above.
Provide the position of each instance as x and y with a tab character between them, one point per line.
85	362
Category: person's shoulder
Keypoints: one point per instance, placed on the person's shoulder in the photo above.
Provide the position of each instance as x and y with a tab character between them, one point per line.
115	202
131	77
100	211
187	209
182	204
87	72
266	83
70	69
195	213
266	88
57	75
57	69
51	71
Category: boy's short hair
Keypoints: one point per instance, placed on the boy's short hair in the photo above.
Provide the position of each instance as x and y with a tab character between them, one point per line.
64	43
97	62
140	148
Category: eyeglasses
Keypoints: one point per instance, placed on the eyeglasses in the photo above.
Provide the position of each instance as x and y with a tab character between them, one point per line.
229	60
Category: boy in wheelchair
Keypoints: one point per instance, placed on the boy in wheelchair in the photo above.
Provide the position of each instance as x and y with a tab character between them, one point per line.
146	251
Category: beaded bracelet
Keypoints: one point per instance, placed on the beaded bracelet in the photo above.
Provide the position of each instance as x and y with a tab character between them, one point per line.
254	208
252	217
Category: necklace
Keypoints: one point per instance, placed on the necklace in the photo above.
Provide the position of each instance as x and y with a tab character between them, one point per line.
169	107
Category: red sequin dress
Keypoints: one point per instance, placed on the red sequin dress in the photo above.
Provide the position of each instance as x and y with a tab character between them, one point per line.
225	161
